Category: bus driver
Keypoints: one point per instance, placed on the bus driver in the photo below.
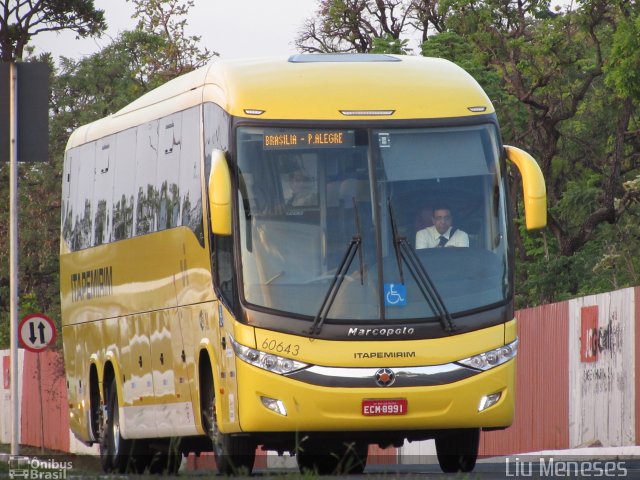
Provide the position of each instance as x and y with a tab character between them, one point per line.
441	233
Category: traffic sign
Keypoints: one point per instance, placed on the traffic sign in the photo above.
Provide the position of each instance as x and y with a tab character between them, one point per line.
37	332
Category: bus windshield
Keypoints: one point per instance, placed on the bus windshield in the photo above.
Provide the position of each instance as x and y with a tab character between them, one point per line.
305	194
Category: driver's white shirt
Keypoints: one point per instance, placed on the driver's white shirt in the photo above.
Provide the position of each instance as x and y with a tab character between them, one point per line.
430	238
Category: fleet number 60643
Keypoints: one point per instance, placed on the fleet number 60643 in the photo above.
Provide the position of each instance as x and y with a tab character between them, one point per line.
280	347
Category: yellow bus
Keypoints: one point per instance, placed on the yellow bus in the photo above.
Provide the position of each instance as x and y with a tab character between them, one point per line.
244	265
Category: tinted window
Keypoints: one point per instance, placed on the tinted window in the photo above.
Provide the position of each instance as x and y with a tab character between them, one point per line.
103	189
168	173
141	180
124	185
146	165
190	186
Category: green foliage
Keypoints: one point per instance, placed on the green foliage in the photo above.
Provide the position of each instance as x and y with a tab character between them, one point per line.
101	84
578	200
83	91
388	44
623	68
20	21
166	21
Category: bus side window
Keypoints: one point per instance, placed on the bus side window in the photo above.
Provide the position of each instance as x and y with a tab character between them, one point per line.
222	261
124	185
83	201
190	193
103	189
146	160
167	203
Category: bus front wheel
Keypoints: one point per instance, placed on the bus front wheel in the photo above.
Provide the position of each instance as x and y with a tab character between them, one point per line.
234	454
457	450
328	458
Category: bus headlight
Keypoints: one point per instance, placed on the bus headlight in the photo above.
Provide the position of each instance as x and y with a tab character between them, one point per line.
492	358
266	361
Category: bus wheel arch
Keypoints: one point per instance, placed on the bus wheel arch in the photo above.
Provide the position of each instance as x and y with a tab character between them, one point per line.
234	454
205	383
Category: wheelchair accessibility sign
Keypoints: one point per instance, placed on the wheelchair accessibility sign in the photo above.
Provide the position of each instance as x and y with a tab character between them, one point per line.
395	294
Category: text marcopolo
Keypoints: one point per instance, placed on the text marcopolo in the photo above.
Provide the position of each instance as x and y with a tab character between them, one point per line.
380	332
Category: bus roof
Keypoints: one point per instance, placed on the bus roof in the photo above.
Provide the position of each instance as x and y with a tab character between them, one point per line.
310	87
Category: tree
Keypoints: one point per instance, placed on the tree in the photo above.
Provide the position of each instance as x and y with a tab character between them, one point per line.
82	91
364	26
38	199
104	82
167	19
20	20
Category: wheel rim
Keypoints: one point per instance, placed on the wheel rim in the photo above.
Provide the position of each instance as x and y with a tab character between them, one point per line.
115	432
211	421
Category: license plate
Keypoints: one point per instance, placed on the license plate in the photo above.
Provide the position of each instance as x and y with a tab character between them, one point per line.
375	407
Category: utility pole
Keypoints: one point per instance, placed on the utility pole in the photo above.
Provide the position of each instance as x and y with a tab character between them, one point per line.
13	254
24	106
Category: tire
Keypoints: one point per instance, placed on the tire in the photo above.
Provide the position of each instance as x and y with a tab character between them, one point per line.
457	450
96	409
342	458
164	463
234	454
140	456
114	450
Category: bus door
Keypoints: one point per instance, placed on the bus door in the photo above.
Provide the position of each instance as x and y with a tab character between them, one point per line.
228	388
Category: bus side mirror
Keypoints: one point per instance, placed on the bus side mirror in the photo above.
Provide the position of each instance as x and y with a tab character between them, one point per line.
220	194
533	186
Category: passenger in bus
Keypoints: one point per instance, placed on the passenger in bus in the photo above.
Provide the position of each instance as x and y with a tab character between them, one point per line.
424	218
442	233
302	191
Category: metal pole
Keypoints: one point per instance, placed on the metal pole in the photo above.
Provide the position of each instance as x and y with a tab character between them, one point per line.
13	247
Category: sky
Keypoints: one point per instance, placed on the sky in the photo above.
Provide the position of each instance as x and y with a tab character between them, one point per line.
233	28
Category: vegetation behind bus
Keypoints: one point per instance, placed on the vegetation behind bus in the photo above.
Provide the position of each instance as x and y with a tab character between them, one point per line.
563	83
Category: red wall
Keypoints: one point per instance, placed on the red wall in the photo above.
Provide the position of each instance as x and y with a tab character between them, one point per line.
45	414
542	379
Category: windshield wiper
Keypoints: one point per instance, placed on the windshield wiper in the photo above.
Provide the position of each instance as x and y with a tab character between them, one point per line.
355	246
419	273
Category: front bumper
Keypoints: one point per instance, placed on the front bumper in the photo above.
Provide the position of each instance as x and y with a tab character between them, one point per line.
313	407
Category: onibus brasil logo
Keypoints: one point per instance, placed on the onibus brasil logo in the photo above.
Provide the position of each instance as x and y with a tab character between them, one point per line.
37	468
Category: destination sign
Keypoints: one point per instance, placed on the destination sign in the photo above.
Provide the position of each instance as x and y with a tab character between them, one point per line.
308	138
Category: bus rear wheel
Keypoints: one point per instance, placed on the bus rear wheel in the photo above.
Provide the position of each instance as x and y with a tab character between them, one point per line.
114	450
164	458
457	450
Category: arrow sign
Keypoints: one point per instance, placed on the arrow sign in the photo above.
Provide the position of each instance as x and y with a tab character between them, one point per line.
42	328
32	337
36	332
